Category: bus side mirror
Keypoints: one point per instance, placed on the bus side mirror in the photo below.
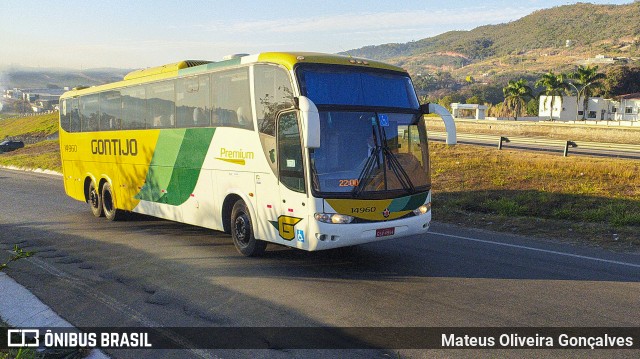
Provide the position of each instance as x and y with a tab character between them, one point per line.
310	123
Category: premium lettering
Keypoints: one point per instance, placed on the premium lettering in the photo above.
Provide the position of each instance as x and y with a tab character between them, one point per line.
236	154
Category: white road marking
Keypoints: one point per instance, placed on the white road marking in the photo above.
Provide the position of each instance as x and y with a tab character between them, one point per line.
538	250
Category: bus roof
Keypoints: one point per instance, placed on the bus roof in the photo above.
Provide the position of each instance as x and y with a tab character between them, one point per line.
192	67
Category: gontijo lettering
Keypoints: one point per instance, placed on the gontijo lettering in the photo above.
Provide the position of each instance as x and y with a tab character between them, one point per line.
118	147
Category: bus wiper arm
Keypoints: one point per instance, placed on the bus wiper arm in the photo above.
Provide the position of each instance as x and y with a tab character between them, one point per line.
365	175
398	170
395	165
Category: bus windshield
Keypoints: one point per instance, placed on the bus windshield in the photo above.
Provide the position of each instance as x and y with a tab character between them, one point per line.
337	85
369	155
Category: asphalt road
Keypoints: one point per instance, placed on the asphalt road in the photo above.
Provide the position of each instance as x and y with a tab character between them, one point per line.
150	272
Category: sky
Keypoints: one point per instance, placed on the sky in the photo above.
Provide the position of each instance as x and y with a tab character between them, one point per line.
82	34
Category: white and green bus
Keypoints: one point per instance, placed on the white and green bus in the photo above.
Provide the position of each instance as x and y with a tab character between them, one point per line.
306	150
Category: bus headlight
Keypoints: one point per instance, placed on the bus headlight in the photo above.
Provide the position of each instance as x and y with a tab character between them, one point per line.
422	209
333	218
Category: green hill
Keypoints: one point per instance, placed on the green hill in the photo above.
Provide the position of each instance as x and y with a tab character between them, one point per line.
525	48
586	24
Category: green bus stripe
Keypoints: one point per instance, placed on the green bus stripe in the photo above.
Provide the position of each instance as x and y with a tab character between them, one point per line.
193	152
176	164
399	204
416	201
162	165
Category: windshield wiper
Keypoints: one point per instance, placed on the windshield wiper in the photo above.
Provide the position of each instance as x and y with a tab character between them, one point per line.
399	171
395	165
365	175
390	161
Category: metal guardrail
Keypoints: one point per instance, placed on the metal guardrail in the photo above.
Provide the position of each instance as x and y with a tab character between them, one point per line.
546	144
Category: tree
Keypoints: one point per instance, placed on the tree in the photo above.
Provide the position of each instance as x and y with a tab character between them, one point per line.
424	83
447	100
475	99
22	106
621	80
515	95
486	93
532	107
585	80
555	86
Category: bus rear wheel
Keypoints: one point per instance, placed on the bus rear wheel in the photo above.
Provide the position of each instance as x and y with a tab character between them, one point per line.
242	232
95	201
108	205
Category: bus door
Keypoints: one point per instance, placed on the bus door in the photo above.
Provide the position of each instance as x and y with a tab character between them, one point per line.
294	202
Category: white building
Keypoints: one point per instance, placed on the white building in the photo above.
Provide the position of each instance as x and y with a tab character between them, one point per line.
628	107
565	108
478	111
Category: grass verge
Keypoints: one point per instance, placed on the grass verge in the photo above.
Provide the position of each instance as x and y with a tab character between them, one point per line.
34	126
44	155
588	200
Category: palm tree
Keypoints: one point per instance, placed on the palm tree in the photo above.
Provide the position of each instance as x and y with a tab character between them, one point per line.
515	95
586	79
554	85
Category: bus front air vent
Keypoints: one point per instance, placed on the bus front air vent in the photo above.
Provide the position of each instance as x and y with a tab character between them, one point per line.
169	68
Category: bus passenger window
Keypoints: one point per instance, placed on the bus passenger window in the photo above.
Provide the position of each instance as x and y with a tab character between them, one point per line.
161	105
110	110
74	116
231	98
272	94
134	107
192	102
89	112
65	115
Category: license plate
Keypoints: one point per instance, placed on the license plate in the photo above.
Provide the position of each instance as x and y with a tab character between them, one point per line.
383	232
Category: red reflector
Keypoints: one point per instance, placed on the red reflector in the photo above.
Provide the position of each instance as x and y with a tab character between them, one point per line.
290	209
383	232
193	195
269	206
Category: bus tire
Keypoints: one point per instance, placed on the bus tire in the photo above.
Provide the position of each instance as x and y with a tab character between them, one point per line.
242	232
108	205
95	200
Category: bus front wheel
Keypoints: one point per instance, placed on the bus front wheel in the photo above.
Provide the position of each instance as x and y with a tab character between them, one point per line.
95	201
242	232
108	205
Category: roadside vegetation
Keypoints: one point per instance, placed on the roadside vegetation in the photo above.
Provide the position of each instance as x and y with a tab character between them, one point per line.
581	199
44	155
33	126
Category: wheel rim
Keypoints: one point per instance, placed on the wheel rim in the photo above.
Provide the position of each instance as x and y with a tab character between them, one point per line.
93	198
242	229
